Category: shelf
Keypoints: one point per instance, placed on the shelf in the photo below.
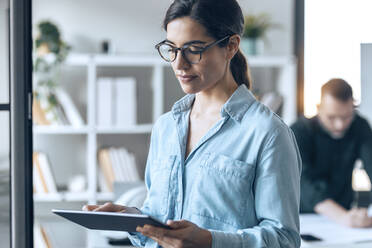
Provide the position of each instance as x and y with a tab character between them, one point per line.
151	60
76	196
77	59
62	196
55	197
60	130
113	60
142	128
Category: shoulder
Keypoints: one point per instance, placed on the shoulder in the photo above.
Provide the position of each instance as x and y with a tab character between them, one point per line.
360	126
361	121
163	122
263	121
304	125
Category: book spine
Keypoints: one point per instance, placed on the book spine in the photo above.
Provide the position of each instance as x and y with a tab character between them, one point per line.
126	102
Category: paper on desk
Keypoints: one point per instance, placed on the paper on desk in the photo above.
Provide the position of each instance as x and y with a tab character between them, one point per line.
332	233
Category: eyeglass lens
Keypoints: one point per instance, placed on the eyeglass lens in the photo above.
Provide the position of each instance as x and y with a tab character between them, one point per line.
169	53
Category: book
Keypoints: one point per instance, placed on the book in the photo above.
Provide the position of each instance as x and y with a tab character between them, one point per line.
125	101
69	109
105	164
44	182
117	165
47	172
38	114
105	102
41	238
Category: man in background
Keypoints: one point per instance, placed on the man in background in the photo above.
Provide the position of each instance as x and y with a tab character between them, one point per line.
330	143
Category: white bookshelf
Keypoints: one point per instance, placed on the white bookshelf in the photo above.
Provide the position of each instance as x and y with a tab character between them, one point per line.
286	86
88	135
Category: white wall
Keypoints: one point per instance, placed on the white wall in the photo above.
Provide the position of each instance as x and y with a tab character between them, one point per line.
366	78
135	26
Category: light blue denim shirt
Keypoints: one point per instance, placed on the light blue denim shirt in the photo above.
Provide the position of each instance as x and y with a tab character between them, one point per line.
241	182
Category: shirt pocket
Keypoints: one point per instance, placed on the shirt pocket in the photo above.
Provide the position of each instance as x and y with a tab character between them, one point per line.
222	189
160	182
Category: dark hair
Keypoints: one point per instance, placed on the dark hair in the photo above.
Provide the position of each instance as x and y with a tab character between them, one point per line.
220	18
338	88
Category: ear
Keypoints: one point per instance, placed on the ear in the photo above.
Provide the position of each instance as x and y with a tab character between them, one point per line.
233	46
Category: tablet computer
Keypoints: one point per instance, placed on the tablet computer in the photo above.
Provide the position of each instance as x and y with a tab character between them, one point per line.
112	221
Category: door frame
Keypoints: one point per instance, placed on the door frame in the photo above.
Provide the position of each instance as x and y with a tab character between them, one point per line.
21	123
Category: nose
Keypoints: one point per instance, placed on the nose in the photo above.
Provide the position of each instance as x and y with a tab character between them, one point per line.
180	63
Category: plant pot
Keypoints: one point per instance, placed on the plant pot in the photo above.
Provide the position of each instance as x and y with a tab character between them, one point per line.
251	46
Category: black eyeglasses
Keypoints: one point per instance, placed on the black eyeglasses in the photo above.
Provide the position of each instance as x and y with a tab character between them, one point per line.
190	52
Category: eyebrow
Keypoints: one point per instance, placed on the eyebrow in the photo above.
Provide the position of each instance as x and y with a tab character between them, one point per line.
187	43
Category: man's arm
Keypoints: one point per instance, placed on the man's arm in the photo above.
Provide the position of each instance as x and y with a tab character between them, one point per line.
356	217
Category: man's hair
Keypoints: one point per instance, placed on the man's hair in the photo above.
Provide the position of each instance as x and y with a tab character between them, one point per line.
338	88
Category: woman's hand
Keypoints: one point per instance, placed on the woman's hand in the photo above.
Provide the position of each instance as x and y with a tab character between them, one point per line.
182	235
110	207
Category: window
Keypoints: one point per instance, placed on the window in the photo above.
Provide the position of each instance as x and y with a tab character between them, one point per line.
334	30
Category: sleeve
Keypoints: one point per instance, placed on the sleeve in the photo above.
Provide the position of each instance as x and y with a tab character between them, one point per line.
136	238
277	197
366	148
313	189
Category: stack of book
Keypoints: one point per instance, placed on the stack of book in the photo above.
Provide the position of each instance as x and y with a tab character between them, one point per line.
116	165
116	102
43	179
55	108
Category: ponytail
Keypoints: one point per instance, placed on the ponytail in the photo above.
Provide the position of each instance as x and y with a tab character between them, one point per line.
240	70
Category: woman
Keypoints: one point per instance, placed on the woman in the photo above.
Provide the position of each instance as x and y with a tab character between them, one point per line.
222	167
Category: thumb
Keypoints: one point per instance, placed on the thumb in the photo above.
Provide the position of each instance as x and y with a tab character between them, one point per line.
178	224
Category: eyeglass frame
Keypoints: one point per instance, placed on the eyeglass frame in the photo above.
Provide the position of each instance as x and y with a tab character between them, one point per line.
184	47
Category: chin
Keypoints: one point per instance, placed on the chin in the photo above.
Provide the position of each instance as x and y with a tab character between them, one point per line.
189	89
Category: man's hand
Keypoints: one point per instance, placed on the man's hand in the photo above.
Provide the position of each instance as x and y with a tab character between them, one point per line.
109	207
183	234
357	217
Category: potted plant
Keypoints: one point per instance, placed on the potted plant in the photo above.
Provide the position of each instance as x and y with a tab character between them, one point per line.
255	27
50	53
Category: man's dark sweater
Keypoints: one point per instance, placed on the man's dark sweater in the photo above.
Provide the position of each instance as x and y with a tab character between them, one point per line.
327	163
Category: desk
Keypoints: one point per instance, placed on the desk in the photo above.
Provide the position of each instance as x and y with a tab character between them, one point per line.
332	234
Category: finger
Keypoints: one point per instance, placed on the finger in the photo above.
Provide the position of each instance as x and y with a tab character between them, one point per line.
149	230
90	207
178	224
109	207
164	241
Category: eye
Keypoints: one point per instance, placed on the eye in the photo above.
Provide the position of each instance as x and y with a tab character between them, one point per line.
194	49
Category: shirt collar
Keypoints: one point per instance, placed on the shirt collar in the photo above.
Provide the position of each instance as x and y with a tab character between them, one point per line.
235	107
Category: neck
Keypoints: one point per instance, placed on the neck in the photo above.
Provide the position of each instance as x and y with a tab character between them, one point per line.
210	101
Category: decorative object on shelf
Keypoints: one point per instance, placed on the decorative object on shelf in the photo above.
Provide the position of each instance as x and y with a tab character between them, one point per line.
255	28
116	102
107	47
77	184
51	105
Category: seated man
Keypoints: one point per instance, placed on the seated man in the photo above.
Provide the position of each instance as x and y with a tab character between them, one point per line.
329	144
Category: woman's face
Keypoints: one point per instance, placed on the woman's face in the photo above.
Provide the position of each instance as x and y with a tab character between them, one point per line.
213	65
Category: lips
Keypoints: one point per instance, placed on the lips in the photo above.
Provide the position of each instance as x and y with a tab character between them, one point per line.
186	78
